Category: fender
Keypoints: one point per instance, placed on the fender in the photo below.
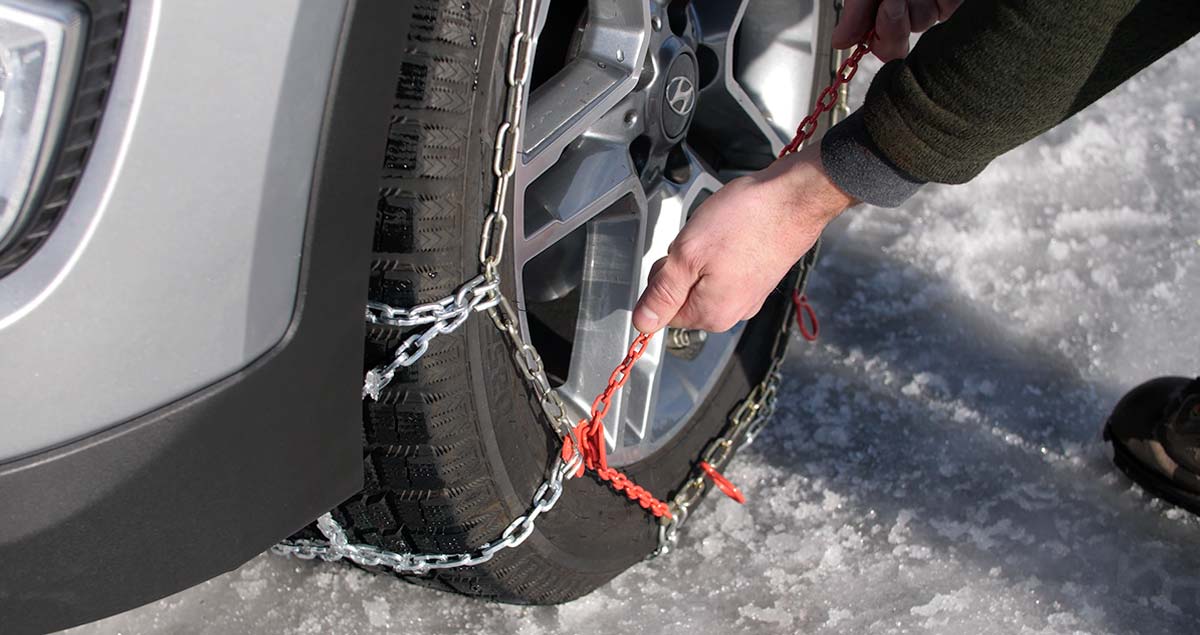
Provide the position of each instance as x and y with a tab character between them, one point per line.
196	488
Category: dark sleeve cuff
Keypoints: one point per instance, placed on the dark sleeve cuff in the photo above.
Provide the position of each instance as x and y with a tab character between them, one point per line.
855	164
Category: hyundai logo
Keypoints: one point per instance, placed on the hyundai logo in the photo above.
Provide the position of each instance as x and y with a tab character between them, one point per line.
681	95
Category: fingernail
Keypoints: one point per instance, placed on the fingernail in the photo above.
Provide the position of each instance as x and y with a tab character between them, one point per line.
646	317
895	9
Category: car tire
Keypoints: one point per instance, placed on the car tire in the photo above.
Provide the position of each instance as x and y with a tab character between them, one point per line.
455	447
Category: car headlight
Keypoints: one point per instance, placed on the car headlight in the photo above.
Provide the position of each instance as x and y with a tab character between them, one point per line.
40	52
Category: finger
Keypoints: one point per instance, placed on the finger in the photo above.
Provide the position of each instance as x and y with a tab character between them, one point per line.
706	318
665	293
655	268
892	29
692	314
946	8
922	14
749	315
854	22
707	308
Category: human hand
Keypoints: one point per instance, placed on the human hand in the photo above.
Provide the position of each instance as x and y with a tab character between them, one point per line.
893	21
739	244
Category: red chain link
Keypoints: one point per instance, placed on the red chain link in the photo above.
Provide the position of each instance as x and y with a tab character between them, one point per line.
804	309
590	431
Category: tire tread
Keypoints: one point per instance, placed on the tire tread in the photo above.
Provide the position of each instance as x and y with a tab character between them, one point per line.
425	488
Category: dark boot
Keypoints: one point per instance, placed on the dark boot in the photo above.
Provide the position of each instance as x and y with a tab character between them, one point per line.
1155	433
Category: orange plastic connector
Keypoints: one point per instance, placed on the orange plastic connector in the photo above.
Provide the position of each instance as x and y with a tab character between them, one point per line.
727	488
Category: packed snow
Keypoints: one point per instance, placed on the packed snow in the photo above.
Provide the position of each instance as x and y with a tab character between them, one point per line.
935	466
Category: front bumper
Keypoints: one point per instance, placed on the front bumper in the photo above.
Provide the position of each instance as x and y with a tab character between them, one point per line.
195	488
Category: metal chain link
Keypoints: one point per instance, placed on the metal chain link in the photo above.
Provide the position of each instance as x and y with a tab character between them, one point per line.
483	293
533	370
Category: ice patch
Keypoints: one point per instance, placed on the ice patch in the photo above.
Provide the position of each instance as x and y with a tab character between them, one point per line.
955	602
249	589
378	612
773	615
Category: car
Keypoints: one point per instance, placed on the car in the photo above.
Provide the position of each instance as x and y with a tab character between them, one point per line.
340	276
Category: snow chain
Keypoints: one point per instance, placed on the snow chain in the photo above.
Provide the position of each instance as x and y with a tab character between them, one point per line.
482	293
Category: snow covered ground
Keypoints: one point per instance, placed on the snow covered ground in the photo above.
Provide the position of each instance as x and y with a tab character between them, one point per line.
936	464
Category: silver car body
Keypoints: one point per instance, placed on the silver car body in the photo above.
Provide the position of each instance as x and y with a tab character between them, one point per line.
176	262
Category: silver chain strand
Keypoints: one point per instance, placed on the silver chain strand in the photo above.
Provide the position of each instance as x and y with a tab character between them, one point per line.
482	293
446	315
339	546
745	422
443	316
443	310
755	411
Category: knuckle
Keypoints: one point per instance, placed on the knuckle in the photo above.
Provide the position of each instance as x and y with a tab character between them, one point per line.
923	14
740	182
689	255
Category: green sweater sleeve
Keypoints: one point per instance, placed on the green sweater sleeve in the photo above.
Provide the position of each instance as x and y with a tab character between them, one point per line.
1001	72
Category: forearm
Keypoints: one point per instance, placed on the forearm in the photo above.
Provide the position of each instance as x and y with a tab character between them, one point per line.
997	74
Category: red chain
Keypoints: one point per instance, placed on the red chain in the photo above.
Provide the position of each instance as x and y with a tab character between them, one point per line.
593	447
590	431
828	98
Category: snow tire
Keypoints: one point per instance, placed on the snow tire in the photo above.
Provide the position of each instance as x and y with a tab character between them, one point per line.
455	447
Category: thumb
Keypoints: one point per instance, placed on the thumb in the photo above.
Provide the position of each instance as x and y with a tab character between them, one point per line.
892	28
665	294
856	19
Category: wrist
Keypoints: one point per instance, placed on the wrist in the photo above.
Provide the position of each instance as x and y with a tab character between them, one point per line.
815	199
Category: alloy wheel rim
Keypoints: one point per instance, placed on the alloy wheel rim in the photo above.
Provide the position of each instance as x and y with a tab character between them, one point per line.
637	117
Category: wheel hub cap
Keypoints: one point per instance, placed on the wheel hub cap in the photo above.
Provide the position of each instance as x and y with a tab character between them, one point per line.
679	98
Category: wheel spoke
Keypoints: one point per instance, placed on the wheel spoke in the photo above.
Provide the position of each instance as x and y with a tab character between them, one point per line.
667	210
590	176
774	62
602	73
607	291
757	93
726	104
